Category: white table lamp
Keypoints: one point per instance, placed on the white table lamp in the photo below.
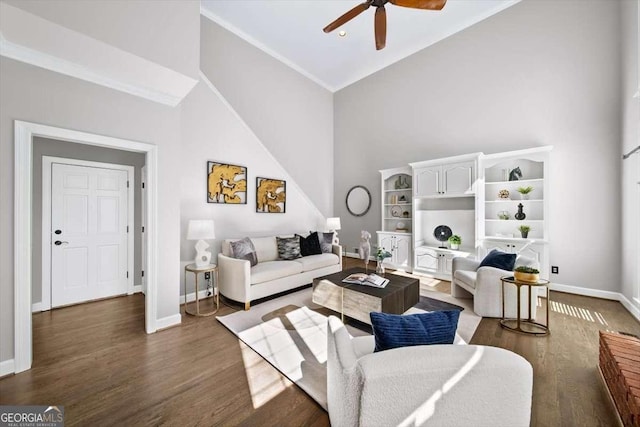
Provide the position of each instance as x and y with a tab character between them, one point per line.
200	230
333	224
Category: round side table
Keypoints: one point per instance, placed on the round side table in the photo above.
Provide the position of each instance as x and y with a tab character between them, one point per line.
212	269
525	326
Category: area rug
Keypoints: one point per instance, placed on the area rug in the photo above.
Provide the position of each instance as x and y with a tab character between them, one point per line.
290	333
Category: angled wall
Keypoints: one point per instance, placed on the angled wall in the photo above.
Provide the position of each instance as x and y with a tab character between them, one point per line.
532	75
290	114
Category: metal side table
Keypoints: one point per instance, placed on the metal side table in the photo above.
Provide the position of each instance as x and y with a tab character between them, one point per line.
212	269
531	327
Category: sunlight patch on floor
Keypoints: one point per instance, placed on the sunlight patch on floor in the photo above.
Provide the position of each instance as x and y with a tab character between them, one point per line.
273	341
312	328
265	383
578	312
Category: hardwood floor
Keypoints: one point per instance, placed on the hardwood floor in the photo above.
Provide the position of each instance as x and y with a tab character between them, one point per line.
96	360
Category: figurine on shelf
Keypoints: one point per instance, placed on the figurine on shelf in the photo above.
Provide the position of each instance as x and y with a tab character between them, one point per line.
515	174
520	215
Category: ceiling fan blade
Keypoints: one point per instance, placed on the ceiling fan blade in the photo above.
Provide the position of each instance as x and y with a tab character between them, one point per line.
381	27
347	16
420	4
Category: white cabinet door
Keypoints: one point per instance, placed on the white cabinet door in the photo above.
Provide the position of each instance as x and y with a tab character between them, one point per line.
427	181
446	265
402	252
457	178
428	260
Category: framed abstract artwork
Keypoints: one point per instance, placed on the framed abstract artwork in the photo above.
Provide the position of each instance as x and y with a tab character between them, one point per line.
271	195
226	184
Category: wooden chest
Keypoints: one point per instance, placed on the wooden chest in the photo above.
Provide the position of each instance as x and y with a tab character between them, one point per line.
620	367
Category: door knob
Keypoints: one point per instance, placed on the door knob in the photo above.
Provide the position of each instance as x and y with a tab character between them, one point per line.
58	243
58	231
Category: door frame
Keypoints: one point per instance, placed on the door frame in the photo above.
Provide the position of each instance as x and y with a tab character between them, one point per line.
23	196
47	162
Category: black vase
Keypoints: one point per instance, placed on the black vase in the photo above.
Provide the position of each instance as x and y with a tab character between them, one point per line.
520	215
524	234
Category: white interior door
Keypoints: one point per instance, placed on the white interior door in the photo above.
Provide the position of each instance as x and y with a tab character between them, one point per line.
89	208
143	200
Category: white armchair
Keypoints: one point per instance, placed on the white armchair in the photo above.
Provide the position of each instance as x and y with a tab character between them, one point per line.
440	385
483	284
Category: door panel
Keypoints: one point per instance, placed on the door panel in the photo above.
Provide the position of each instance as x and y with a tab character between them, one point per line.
457	178
89	207
427	181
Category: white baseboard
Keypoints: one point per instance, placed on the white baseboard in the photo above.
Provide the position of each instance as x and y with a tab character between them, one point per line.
36	308
167	322
137	289
7	367
615	296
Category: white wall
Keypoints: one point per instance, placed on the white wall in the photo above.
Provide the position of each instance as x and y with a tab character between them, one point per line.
166	32
211	131
535	74
630	168
36	95
292	116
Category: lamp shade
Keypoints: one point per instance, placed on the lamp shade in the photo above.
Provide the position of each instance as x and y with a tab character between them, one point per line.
333	223
200	230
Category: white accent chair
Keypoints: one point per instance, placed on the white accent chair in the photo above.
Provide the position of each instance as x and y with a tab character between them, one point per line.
484	286
439	385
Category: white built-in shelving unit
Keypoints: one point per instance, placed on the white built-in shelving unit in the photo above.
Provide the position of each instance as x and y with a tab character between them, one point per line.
397	218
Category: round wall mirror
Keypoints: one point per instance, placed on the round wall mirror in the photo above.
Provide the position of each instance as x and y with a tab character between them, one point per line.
358	200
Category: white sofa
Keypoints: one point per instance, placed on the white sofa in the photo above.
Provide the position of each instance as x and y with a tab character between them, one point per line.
483	284
433	385
240	282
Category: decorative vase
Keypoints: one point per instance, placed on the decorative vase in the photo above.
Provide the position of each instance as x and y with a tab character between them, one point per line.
454	246
524	234
524	196
504	215
379	267
526	277
520	215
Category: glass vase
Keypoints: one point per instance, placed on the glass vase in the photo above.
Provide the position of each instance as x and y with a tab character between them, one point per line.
379	267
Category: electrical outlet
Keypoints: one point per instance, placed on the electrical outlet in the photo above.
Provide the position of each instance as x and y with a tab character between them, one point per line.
207	275
554	269
356	250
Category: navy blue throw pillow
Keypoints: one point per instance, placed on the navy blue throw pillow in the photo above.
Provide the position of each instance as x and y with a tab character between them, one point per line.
396	330
501	260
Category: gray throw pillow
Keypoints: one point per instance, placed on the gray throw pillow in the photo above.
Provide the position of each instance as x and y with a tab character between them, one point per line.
288	247
326	242
244	249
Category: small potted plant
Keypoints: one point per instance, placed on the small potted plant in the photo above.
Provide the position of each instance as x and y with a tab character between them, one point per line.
526	274
524	192
455	241
524	231
381	254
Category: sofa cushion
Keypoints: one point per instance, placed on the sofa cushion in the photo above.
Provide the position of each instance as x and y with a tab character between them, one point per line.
272	270
313	262
310	245
288	247
397	330
244	249
498	259
266	248
466	277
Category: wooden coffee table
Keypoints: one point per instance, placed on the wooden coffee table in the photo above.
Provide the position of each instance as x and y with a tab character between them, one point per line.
357	301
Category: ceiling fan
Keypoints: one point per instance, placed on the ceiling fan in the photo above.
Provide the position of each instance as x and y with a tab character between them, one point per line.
380	19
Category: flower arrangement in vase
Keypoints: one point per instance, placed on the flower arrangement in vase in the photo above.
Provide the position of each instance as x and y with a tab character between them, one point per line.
381	254
524	192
